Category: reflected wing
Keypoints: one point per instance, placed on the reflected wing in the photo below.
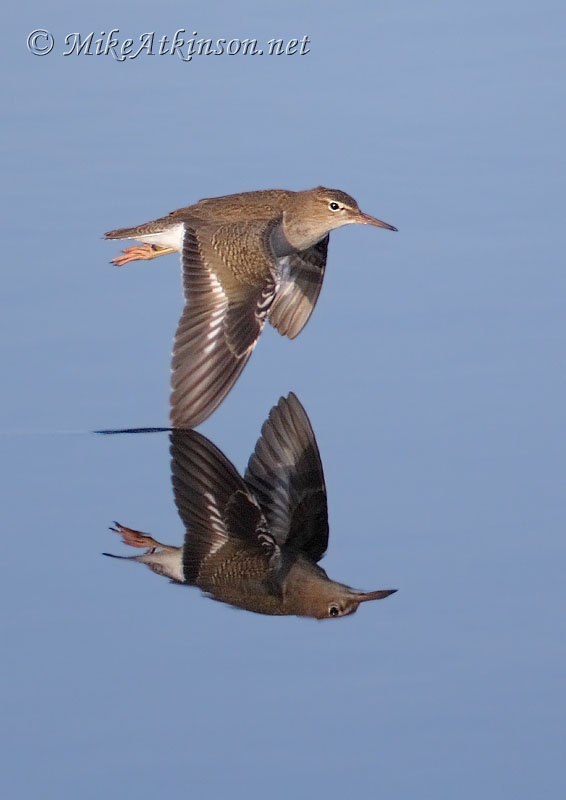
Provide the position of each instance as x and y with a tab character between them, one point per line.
213	502
286	477
216	334
299	287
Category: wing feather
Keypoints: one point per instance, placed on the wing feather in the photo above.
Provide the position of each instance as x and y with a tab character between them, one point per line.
301	276
285	475
214	337
213	501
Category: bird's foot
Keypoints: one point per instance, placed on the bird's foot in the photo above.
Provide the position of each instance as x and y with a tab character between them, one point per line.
141	252
135	538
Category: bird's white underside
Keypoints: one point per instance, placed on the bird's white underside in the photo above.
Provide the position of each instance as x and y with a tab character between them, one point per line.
170	237
169	561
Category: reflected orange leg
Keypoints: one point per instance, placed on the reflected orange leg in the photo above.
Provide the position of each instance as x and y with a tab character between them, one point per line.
135	538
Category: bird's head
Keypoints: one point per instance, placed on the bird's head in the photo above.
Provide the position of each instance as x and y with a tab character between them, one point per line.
342	606
322	598
312	214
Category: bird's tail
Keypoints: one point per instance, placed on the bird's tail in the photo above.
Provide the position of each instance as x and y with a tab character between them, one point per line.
163	559
154	227
124	233
123	558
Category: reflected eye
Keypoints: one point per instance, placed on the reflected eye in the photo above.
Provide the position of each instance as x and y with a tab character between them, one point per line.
333	206
333	611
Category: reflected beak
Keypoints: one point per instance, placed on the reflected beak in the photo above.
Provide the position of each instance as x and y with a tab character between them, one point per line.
379	595
365	219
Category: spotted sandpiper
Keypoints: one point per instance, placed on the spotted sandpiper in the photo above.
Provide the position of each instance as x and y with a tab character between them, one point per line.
254	543
246	258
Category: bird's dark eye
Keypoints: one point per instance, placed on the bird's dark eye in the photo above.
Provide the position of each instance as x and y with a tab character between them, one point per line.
334	206
333	611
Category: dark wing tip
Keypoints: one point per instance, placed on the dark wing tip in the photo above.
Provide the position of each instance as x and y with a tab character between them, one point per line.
286	476
300	282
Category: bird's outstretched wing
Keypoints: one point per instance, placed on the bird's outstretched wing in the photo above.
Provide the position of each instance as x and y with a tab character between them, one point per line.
286	477
218	511
218	329
212	500
300	282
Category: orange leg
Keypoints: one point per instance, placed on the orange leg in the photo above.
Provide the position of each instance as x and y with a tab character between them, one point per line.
141	252
136	538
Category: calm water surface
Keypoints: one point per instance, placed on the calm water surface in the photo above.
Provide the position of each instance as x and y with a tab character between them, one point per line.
432	371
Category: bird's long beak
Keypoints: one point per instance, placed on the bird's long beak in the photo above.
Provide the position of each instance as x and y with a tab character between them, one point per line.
379	595
365	219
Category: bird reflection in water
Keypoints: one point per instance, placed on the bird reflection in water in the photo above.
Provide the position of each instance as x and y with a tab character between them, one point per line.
255	542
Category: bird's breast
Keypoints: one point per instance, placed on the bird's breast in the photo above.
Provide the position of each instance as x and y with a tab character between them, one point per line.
279	244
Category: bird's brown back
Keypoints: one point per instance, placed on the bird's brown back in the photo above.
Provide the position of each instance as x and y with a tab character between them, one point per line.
239	576
264	204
